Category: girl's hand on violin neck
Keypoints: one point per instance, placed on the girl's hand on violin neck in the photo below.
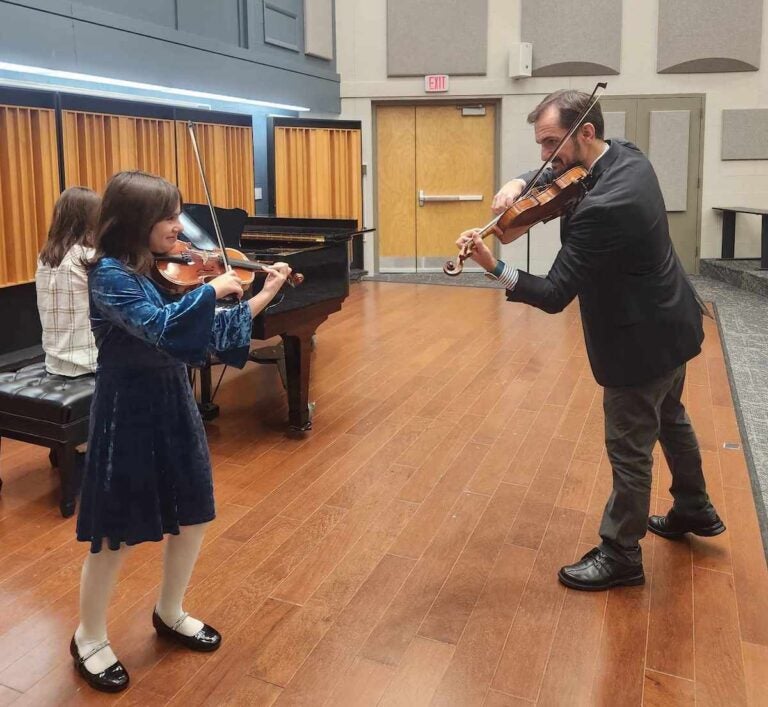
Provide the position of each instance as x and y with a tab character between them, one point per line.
227	284
277	274
479	252
507	196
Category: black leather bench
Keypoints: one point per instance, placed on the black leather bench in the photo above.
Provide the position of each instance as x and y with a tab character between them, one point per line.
51	411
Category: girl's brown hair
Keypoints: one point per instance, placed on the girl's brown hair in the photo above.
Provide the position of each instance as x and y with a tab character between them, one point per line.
133	203
73	223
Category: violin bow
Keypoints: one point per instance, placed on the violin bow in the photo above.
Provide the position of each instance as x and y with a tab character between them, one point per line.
216	226
455	268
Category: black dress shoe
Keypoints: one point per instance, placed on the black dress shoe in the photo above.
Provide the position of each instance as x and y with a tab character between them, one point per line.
597	571
205	640
674	526
113	679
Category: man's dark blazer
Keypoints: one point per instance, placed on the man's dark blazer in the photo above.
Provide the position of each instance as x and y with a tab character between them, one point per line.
640	316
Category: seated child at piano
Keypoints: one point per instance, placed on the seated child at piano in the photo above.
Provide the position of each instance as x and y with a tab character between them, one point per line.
62	284
148	471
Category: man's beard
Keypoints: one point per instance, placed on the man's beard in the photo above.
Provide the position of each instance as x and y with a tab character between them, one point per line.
558	169
562	167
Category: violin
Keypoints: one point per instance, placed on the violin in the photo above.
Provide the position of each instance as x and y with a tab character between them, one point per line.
542	204
536	204
186	267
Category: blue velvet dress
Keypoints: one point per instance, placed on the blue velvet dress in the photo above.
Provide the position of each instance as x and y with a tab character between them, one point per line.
148	470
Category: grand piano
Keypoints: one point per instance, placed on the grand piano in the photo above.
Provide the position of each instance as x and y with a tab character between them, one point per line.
317	248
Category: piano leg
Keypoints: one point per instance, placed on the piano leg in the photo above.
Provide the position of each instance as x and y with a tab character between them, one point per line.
208	409
298	348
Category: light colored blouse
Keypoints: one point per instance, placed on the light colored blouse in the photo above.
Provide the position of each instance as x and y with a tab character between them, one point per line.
62	301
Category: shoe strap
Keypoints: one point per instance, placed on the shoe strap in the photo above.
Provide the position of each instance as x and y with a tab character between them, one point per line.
99	647
179	621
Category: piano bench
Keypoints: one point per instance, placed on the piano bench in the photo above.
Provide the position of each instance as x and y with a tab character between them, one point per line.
51	411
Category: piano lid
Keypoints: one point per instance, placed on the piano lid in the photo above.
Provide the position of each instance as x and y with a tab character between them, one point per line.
194	234
201	225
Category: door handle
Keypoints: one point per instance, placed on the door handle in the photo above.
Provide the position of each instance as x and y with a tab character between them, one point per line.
424	198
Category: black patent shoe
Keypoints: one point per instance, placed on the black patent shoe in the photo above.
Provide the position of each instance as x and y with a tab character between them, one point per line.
597	571
674	526
114	679
205	640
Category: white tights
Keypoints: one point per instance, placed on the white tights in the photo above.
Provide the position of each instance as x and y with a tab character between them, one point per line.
99	577
181	552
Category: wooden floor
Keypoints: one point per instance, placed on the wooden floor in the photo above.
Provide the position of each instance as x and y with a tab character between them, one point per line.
405	551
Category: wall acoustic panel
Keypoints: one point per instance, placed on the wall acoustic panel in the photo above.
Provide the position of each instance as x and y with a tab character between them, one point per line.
226	151
707	36
568	38
281	23
223	20
668	153
317	171
615	124
436	37
318	28
158	12
745	134
96	145
29	186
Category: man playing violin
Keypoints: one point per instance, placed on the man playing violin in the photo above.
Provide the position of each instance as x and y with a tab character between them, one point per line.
642	322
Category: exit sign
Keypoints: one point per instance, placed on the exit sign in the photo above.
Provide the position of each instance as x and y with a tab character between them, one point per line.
436	83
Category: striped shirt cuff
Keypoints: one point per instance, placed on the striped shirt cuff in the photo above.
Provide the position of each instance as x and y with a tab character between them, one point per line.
506	274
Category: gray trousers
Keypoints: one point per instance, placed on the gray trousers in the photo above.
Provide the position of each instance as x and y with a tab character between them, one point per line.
635	418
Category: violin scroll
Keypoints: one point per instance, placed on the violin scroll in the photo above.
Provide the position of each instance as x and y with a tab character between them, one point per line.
455	267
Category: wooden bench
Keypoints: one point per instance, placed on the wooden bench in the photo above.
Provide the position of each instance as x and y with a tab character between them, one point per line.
728	247
51	411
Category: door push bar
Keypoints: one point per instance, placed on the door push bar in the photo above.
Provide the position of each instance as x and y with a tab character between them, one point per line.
423	198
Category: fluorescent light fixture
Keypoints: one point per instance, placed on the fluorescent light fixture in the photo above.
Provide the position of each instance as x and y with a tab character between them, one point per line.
102	94
55	73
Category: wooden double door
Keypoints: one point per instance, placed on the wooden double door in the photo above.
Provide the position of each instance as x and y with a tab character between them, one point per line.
435	178
668	130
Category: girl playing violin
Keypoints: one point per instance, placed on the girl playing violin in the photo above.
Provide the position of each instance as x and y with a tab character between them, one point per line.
148	472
